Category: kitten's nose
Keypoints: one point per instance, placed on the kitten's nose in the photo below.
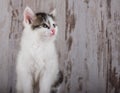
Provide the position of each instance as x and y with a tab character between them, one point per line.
52	31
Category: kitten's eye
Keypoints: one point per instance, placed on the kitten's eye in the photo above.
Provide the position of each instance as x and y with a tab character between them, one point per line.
54	25
45	25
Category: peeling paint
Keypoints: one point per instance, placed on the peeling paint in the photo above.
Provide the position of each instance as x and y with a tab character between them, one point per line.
100	43
69	43
80	84
66	28
69	68
70	20
86	1
117	33
14	22
11	28
114	80
101	4
68	76
108	8
15	13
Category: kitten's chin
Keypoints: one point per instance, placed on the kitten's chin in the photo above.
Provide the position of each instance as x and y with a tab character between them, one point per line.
52	35
48	38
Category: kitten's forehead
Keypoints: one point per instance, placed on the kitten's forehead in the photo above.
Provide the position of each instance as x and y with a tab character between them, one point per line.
42	18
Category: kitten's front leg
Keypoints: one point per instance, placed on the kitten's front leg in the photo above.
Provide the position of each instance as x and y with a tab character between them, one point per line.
45	84
24	82
48	78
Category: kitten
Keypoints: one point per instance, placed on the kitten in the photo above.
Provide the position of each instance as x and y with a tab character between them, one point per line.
37	61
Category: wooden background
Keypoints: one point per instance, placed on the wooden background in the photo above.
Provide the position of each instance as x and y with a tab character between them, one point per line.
88	43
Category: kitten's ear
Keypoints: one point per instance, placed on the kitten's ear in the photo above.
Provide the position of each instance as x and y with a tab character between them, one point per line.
29	15
53	13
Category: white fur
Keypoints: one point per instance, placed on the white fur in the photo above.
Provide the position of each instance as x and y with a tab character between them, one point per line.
37	58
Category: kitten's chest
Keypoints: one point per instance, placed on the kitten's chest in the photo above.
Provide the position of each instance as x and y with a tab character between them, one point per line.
42	52
41	56
38	64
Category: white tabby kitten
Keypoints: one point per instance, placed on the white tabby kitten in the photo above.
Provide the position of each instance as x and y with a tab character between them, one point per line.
37	61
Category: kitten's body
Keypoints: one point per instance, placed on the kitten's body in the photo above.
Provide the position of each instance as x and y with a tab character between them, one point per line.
37	59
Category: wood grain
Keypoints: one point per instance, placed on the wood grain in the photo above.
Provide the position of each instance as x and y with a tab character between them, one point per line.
88	43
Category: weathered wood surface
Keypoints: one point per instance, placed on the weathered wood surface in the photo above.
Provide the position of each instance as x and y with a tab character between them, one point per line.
88	43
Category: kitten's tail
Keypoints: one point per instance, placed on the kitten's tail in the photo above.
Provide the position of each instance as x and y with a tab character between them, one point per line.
57	83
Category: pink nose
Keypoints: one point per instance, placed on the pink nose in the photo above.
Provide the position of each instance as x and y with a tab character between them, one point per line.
52	31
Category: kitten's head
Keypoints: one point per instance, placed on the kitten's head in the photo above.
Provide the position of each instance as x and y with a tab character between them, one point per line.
43	25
